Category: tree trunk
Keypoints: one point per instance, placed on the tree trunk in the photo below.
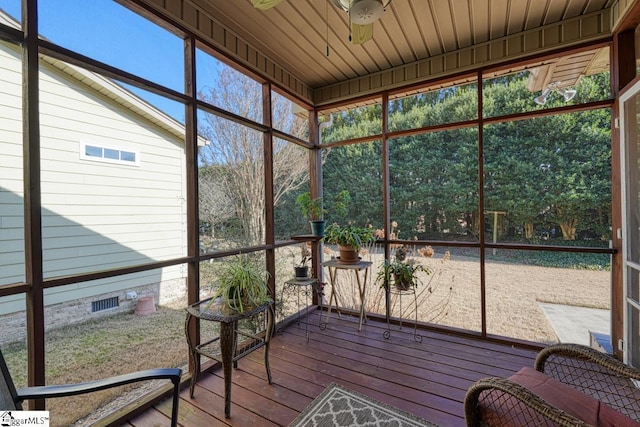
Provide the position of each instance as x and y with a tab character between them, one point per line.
569	229
475	224
528	230
568	226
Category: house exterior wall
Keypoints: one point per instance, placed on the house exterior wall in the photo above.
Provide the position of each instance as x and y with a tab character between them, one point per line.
11	187
96	215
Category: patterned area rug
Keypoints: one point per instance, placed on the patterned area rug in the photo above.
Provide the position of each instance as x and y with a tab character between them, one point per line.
339	406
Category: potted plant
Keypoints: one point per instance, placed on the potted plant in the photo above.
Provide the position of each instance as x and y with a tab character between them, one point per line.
242	284
302	269
313	209
403	271
349	238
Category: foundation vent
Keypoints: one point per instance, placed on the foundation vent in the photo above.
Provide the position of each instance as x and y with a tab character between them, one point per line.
104	304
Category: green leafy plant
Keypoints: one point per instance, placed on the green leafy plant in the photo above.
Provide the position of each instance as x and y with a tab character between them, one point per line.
402	271
348	235
404	274
242	284
311	208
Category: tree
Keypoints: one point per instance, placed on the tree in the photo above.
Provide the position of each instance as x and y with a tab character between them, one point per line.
237	152
543	172
215	207
433	176
549	170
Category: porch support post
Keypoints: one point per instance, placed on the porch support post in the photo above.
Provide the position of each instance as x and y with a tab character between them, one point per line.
191	160
386	192
623	71
267	120
315	188
32	203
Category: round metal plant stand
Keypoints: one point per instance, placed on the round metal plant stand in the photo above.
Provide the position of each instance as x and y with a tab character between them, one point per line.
400	293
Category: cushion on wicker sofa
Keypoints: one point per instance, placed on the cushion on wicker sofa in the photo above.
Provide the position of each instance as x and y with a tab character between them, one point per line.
570	400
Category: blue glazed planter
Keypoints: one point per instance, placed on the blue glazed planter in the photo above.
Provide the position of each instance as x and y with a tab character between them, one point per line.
317	228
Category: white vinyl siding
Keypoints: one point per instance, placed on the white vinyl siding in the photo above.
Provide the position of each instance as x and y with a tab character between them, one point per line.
147	201
11	167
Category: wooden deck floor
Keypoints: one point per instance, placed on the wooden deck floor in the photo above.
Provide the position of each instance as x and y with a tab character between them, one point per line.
428	379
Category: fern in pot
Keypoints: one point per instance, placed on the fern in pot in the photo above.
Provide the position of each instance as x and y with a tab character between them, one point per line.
242	284
402	272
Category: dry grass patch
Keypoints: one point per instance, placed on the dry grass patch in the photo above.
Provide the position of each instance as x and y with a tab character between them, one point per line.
102	348
450	296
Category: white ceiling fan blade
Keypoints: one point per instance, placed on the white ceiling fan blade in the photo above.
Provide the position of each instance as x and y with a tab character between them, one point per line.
361	33
265	4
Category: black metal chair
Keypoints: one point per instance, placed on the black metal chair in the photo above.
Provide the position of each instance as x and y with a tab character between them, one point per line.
12	398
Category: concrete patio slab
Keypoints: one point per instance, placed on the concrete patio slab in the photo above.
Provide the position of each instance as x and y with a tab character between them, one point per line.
572	324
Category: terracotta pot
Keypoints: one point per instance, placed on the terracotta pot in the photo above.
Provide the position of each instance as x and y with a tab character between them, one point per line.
348	255
144	306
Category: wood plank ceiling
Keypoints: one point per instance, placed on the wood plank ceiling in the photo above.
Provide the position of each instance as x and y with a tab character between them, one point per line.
310	38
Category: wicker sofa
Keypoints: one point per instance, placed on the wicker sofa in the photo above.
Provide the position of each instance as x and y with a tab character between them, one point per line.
569	385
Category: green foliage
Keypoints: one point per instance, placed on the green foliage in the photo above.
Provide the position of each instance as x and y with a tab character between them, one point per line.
242	284
355	123
288	219
555	259
357	168
578	261
548	171
341	203
433	183
314	209
348	235
404	274
561	178
573	260
310	208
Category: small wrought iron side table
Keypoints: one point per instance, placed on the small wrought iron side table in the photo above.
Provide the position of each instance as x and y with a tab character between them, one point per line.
334	265
400	292
305	286
224	347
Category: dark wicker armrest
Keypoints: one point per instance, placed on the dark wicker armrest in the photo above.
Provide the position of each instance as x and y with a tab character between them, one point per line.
499	402
578	351
594	373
